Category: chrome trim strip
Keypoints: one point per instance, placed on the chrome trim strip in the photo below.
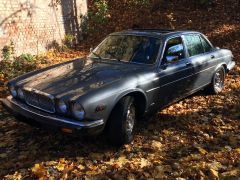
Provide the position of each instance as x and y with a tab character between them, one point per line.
188	76
38	92
205	69
153	89
177	80
63	120
51	97
186	68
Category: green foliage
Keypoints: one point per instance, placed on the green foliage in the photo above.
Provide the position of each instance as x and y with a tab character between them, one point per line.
8	51
144	3
96	18
69	40
26	57
19	65
102	10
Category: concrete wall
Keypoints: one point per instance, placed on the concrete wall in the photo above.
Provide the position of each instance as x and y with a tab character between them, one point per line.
33	25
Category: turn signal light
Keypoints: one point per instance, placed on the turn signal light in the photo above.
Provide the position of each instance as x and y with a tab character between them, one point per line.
66	130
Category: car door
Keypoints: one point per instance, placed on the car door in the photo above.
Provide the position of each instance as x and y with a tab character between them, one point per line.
202	58
174	72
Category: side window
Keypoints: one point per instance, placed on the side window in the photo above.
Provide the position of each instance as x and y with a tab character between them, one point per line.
194	45
174	50
206	46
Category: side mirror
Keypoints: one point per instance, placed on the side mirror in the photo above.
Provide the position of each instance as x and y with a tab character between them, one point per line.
175	50
171	59
91	49
217	47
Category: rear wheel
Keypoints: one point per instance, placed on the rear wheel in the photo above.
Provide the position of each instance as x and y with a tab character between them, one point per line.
217	83
122	122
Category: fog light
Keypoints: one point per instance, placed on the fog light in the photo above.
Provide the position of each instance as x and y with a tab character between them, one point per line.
66	130
20	93
62	106
78	111
13	91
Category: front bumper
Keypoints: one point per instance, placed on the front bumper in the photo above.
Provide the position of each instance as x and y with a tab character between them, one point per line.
32	114
231	65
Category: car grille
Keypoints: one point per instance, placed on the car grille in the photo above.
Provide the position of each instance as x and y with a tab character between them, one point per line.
40	100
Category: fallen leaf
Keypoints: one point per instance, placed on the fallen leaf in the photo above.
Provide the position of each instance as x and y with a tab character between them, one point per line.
214	174
39	170
60	166
156	145
144	162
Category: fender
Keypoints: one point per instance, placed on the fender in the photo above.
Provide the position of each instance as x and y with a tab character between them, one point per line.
219	65
126	92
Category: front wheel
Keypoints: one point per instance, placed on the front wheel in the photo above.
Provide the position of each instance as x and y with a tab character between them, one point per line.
122	122
217	83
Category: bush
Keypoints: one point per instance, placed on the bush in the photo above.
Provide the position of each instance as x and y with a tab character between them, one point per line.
96	17
19	65
26	57
69	40
8	51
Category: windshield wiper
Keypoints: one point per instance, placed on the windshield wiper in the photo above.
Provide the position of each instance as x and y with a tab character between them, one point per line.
97	55
118	59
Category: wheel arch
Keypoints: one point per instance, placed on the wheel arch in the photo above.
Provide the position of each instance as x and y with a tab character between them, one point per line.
138	95
219	65
225	67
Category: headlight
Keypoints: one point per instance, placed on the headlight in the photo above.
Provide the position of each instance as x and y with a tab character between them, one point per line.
20	93
62	106
13	91
78	111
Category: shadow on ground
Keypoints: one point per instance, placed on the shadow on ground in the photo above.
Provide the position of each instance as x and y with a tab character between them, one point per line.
186	137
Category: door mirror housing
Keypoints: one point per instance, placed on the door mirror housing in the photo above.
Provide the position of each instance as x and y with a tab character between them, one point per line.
174	53
175	50
91	49
171	59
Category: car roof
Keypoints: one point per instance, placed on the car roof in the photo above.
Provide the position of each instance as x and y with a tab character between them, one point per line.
153	32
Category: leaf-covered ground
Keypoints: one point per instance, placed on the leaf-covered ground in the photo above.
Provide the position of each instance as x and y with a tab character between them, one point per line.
196	138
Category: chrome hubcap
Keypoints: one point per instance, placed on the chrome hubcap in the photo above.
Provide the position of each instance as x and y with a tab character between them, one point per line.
130	119
219	80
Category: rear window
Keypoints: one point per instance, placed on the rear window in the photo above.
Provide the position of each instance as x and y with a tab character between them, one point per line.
206	46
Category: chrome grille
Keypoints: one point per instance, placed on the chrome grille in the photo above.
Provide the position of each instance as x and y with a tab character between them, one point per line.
40	100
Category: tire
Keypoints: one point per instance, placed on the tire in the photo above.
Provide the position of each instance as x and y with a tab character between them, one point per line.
122	122
217	83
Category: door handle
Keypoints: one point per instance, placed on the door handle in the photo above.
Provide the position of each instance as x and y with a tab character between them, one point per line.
212	56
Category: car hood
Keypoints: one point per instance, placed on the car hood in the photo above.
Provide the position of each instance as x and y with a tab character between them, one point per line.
77	77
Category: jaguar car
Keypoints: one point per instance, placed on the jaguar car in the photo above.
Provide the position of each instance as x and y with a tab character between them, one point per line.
128	75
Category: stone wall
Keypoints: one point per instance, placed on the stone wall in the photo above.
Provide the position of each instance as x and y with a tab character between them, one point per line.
35	25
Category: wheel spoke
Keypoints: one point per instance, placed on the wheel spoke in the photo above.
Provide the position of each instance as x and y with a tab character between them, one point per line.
130	118
219	80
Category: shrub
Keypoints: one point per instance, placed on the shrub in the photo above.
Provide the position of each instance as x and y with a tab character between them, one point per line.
69	40
96	17
26	57
8	51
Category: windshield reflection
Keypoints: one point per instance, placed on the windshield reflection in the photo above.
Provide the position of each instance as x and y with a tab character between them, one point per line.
128	48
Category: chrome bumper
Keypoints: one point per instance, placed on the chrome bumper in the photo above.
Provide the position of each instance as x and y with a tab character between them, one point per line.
19	108
231	65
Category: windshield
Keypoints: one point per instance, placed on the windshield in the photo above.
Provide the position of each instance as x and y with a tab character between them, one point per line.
128	48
